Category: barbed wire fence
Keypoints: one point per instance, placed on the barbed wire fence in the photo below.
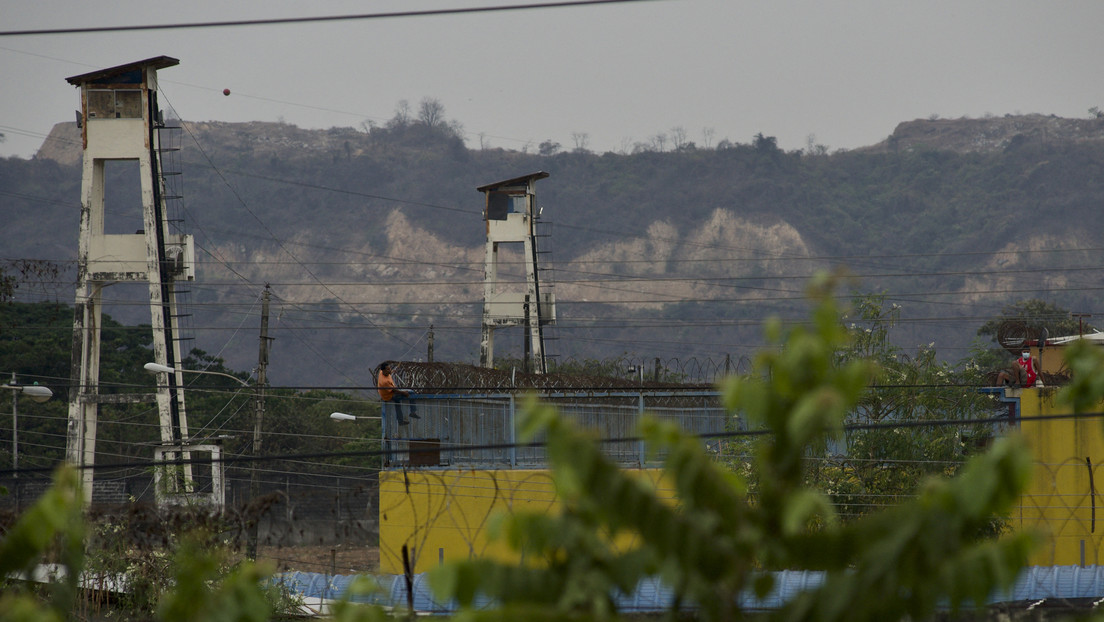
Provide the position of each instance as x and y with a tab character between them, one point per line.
622	372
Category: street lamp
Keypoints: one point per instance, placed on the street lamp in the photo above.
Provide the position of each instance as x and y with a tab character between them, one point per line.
347	417
33	391
258	398
157	368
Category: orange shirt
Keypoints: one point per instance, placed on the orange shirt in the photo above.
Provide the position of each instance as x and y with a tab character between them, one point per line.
386	386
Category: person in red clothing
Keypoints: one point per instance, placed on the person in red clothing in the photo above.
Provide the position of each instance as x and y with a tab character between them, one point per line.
1031	370
389	393
1023	372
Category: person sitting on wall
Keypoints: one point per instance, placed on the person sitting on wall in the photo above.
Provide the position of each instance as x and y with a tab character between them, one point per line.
388	392
1024	372
1030	367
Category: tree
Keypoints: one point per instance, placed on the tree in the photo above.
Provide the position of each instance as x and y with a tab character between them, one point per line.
548	148
7	286
203	586
877	465
580	139
402	114
1032	317
678	137
37	274
715	544
659	142
1018	322
813	148
765	144
431	112
707	137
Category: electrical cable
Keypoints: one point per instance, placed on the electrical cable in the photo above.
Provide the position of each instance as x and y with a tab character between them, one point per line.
316	19
896	425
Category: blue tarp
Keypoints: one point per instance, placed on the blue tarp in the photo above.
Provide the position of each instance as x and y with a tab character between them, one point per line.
1035	583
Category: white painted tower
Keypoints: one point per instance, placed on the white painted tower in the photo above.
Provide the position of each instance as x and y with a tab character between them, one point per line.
511	213
119	120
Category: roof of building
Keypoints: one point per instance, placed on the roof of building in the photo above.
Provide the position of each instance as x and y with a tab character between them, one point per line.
1094	337
513	182
100	75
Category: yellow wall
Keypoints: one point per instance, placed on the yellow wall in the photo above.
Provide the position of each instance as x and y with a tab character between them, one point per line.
442	515
1059	503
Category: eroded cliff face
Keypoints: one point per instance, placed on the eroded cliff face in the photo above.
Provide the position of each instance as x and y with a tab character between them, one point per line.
687	266
670	266
63	145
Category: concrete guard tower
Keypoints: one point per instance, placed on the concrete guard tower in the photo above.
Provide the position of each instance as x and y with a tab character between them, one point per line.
119	120
511	213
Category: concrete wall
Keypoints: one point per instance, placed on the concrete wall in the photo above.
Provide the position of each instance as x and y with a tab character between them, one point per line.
1063	501
443	515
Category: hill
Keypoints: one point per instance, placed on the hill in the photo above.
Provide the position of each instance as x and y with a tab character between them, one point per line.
370	237
991	134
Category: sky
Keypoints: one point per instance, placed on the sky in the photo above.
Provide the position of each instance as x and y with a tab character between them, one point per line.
840	74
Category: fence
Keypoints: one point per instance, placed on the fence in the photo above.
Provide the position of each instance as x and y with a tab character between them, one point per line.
481	430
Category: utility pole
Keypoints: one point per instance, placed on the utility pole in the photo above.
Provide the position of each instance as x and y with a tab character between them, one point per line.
528	347
259	399
15	430
1080	322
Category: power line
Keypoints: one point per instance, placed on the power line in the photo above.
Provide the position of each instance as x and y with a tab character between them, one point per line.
315	19
444	447
279	241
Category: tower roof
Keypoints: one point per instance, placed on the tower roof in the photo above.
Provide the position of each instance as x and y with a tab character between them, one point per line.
123	71
513	182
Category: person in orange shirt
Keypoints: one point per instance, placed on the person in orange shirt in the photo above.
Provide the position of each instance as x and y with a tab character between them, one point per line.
389	393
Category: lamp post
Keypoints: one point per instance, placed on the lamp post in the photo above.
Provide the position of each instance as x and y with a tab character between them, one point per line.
33	391
348	417
158	368
386	444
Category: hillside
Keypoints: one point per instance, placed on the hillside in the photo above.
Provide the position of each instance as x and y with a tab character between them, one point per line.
990	134
368	238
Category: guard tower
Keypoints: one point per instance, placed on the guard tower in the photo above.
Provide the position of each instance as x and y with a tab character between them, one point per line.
511	213
119	120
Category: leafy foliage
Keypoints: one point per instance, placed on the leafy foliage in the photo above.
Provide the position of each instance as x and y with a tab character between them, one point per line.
53	525
716	544
1086	387
202	585
1027	319
237	597
879	465
1038	315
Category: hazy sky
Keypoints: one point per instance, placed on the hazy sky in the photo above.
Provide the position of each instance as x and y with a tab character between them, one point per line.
846	72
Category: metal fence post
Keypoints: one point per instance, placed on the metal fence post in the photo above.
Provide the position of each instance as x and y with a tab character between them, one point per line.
639	420
513	432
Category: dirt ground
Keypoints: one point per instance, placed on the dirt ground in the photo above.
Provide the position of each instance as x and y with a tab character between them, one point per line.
336	559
